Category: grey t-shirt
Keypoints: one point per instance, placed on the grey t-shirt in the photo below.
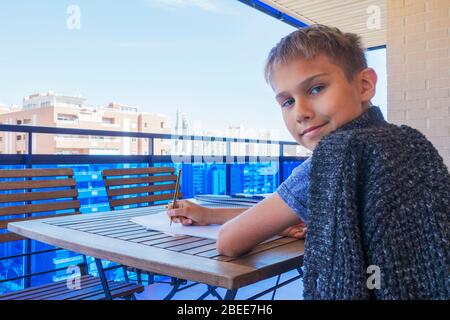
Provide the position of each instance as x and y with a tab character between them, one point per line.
294	190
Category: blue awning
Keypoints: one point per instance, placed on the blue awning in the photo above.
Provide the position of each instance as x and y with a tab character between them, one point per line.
366	18
261	6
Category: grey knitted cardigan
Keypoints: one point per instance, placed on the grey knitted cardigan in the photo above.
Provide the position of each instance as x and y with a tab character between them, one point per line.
379	196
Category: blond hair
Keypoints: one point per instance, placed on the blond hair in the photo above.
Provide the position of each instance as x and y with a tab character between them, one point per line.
343	49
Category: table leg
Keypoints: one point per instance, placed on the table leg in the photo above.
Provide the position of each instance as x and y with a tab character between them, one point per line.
276	286
173	291
125	274
230	295
102	275
210	291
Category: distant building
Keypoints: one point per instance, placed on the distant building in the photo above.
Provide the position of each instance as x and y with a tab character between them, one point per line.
239	148
254	149
3	108
42	100
52	110
214	148
182	127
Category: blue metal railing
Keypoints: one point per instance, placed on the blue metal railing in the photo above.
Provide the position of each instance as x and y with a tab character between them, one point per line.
41	160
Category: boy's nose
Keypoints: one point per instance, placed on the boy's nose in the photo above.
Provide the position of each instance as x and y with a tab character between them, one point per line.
303	113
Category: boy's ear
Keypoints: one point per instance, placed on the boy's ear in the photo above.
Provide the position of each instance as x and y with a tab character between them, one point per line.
368	82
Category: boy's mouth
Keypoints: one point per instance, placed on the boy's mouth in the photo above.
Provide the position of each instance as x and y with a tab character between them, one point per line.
312	130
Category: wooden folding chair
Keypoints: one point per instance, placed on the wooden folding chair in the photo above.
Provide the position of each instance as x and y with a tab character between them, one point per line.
27	192
140	186
143	187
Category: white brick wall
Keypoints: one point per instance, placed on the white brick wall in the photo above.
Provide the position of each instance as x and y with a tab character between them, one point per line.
418	68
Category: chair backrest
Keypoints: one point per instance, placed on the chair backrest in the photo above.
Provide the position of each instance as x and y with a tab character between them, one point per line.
29	191
139	185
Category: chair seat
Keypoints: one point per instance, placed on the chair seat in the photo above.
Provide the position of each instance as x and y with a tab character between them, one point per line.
90	289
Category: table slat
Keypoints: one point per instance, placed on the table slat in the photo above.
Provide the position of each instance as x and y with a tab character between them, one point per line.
193	245
168	245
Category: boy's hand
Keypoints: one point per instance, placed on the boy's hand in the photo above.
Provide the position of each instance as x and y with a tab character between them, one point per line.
297	231
189	214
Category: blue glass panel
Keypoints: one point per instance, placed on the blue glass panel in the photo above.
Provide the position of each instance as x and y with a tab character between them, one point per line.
253	178
288	166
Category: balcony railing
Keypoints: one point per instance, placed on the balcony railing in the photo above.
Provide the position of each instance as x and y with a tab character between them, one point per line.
216	174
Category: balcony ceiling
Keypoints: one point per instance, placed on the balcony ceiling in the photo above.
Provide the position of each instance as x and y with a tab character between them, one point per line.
347	15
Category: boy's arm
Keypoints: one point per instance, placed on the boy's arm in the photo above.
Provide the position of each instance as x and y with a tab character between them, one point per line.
189	213
257	224
222	215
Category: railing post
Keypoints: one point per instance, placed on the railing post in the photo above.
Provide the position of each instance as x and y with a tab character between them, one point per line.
281	164
151	151
27	249
228	169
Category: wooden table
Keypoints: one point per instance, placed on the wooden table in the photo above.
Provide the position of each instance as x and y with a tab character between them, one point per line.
111	236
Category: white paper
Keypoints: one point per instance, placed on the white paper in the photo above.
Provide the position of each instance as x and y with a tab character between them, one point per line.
161	222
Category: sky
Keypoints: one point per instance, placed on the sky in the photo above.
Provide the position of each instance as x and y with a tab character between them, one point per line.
203	57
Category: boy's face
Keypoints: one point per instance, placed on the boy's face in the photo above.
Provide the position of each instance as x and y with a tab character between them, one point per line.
316	97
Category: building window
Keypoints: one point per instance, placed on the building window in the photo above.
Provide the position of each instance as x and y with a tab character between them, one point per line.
162	125
108	120
19	121
67	117
45	104
133	139
145	124
18	138
26	121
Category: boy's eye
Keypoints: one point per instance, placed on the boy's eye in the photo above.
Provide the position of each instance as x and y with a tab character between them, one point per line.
316	89
287	102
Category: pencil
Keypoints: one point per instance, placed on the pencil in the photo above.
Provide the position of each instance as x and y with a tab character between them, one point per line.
177	189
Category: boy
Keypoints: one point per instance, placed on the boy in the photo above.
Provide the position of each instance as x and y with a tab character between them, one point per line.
324	87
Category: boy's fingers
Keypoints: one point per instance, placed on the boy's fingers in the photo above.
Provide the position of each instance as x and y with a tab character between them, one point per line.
301	234
180	204
294	232
186	222
176	212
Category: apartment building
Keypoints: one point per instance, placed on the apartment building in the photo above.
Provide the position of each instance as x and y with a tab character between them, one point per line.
52	110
